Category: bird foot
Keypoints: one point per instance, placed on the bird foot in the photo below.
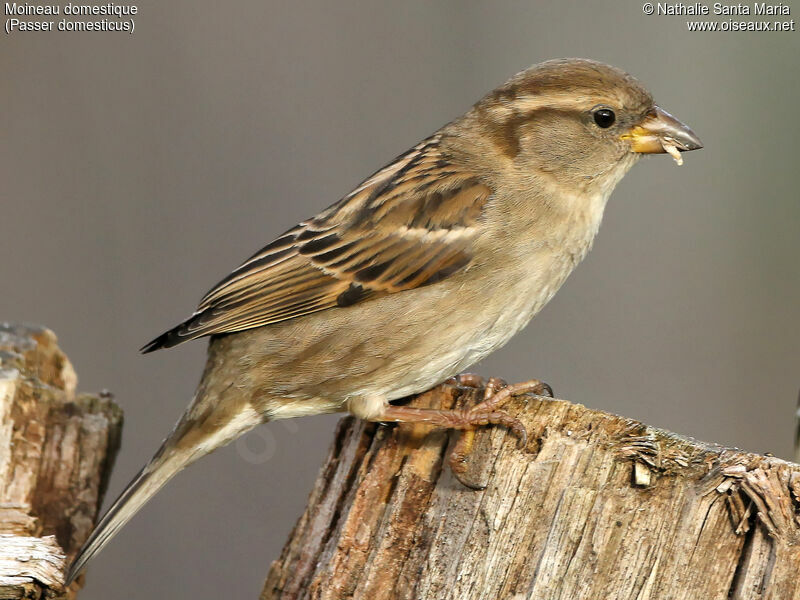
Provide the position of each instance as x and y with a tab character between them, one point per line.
496	393
487	412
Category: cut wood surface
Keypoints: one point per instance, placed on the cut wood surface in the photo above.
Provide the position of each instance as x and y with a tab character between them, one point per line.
56	453
596	507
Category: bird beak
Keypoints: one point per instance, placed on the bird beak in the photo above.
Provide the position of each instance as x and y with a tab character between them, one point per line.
661	132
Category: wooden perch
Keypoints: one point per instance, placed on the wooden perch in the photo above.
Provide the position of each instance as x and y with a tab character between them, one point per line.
597	507
56	454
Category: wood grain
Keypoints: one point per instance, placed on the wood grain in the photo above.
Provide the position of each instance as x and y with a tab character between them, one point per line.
56	453
597	506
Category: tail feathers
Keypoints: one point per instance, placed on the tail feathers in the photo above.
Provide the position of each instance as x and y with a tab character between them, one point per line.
143	487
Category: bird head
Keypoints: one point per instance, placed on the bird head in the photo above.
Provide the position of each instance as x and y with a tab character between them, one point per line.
579	121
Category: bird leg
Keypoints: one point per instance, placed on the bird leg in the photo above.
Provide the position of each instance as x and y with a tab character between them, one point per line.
487	412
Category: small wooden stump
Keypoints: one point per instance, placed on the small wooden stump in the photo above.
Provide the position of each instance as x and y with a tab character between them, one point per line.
596	507
56	454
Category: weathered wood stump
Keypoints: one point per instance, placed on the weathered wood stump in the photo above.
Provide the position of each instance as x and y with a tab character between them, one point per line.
56	454
596	507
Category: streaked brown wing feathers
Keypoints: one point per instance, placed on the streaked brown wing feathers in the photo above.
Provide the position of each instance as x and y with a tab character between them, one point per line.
410	224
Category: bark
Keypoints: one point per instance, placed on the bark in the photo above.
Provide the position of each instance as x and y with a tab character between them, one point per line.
56	453
596	506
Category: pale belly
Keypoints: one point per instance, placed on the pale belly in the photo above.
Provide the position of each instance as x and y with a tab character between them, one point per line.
458	353
492	325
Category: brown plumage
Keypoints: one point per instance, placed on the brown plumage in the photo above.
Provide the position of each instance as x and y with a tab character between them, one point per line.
425	268
410	224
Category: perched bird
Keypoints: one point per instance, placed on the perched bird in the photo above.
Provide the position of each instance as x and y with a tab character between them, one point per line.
430	264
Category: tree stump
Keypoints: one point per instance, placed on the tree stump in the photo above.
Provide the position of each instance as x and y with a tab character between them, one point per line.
596	507
56	454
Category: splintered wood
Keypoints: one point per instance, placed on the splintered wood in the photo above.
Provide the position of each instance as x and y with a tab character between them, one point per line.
597	507
56	453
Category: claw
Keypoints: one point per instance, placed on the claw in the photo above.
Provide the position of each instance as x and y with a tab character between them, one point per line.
458	459
460	473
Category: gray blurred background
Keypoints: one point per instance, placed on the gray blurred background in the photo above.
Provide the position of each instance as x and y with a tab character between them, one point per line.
138	170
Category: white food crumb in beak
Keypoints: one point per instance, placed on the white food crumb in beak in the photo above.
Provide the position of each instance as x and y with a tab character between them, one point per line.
672	151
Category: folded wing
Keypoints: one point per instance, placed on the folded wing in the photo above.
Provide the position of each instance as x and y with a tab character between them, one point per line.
410	224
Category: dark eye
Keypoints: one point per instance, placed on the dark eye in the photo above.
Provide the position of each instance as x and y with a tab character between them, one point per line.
604	117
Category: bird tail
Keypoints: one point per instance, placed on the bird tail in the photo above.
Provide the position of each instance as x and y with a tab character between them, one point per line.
187	443
143	487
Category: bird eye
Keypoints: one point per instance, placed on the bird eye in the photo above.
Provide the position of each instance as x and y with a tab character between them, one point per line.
604	117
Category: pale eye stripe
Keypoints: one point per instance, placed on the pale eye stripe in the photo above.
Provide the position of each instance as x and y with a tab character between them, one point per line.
555	100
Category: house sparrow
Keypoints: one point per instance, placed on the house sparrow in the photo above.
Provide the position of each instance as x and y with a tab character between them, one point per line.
425	268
